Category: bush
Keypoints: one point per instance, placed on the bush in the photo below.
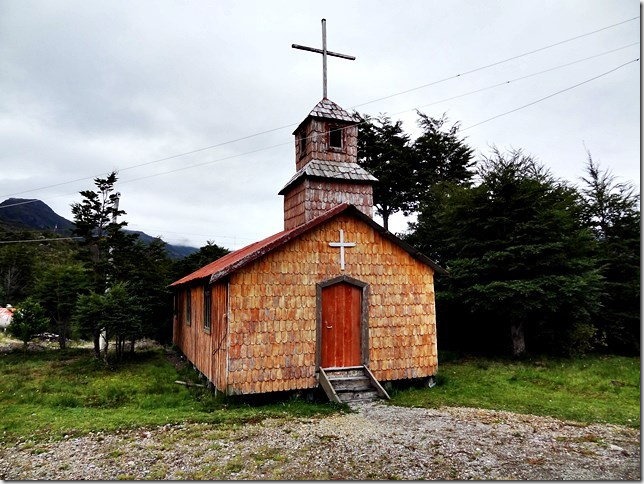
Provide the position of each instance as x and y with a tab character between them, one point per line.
28	321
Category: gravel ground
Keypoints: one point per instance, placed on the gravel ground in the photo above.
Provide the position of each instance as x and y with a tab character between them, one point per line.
376	442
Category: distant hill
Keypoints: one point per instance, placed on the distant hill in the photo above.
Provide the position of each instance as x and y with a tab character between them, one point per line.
32	214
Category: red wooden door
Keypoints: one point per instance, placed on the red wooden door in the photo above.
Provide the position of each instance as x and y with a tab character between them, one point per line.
341	315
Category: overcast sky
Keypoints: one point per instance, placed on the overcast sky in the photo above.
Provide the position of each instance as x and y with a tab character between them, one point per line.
87	87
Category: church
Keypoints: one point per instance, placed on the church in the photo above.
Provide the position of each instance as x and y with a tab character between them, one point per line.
332	301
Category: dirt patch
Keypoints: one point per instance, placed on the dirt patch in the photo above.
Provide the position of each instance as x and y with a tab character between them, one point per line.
376	442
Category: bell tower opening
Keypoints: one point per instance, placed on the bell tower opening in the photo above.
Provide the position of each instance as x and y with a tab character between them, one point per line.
335	137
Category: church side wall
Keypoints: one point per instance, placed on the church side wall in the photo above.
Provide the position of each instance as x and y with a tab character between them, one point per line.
272	326
204	347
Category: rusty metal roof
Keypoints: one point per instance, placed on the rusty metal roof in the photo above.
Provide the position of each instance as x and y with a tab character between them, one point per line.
236	260
337	170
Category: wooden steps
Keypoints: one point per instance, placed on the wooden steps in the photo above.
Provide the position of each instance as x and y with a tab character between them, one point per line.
354	384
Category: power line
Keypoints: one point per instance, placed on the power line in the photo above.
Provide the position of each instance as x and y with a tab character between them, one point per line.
497	62
505	83
198	150
281	144
56	239
551	95
237	155
289	142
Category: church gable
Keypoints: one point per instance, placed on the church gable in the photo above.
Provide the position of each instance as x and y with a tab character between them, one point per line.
273	328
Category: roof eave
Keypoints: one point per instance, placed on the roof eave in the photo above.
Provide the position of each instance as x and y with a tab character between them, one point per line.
304	176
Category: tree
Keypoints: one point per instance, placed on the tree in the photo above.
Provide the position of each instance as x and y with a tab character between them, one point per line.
95	221
17	264
611	211
522	274
122	318
409	173
148	272
205	255
28	321
87	317
440	156
57	289
384	151
117	312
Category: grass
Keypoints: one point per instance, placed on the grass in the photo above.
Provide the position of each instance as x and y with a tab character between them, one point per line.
601	389
53	393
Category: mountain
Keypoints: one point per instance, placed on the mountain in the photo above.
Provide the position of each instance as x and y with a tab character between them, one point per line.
32	214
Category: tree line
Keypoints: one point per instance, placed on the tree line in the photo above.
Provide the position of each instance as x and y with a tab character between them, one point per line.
536	264
108	284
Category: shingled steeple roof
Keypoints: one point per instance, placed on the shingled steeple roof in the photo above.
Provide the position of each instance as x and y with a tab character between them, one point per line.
327	109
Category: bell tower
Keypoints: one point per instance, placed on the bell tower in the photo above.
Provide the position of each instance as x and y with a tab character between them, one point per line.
327	173
326	159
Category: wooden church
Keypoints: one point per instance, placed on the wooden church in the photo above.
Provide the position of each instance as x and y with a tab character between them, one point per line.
334	300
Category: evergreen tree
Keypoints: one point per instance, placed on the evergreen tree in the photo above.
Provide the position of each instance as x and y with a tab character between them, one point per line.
612	213
147	269
94	219
17	269
116	312
57	290
205	255
384	151
521	269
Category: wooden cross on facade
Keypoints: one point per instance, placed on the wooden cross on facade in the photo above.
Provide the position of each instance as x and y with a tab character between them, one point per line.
324	53
342	244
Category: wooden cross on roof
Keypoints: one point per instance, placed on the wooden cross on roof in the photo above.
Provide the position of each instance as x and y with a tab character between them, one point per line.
324	53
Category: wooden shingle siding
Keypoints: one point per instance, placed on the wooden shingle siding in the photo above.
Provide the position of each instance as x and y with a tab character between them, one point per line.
273	309
317	142
313	197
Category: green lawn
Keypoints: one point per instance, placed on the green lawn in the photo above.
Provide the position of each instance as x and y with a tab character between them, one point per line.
52	393
586	389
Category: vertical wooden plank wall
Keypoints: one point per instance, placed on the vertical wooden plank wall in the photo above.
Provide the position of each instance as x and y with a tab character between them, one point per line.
273	309
218	370
207	350
202	341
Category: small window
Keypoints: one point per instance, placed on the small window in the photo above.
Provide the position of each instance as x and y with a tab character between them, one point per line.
188	307
302	145
206	309
335	137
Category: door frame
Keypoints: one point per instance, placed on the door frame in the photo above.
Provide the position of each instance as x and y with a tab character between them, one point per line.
364	316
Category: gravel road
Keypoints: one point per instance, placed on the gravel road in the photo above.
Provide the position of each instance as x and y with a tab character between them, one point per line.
376	442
